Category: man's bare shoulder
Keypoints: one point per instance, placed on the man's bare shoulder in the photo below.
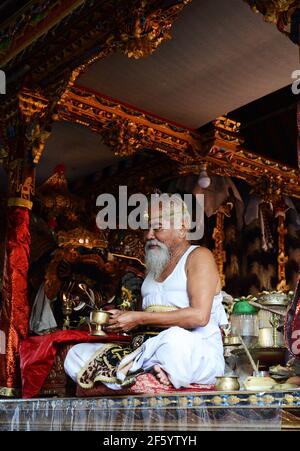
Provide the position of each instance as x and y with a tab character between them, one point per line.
200	254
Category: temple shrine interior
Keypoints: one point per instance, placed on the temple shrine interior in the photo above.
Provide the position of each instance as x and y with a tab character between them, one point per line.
183	97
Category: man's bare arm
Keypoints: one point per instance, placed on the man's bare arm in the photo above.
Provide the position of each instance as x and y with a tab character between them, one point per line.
202	284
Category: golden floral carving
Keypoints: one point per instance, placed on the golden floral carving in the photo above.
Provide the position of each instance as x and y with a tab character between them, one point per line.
253	399
234	400
126	130
183	402
228	130
290	399
21	183
26	189
253	169
33	108
269	399
83	238
141	38
218	236
272	10
126	299
32	103
125	137
217	400
282	257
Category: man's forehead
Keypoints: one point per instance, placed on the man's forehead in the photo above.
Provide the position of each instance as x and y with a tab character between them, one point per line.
155	223
165	222
160	215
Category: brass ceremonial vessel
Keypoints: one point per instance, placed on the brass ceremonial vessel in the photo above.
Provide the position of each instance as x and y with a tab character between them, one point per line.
98	318
231	341
228	383
260	381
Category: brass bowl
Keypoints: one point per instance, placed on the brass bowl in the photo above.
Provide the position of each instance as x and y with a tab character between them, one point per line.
231	341
228	383
99	318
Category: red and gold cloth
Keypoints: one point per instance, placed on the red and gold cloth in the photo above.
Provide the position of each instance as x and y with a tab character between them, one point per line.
146	384
14	317
37	355
292	325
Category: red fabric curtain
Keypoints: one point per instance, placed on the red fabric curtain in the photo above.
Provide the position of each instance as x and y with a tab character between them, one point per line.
14	317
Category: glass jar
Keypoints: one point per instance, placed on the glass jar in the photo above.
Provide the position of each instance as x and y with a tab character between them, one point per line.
244	321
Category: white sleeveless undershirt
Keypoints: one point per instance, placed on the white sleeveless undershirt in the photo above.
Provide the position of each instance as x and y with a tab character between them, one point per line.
173	292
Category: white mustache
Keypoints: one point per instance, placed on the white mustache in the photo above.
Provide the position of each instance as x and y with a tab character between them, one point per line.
153	243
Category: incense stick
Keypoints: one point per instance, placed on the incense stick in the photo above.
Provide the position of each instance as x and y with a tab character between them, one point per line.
255	368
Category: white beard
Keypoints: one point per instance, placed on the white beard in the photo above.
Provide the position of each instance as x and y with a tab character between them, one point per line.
156	260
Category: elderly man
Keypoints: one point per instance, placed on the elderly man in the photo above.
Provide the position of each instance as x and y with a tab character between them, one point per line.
182	305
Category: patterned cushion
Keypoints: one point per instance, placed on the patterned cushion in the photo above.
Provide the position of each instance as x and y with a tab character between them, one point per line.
145	384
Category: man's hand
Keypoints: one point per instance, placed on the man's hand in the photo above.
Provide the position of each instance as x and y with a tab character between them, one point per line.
123	321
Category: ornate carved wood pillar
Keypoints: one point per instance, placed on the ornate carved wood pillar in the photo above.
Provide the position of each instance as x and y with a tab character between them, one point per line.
218	236
22	137
282	258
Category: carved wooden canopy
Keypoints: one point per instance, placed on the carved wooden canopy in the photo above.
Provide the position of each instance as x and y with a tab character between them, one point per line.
128	131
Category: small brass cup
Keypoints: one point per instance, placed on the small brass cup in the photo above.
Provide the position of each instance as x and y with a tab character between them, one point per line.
99	318
228	383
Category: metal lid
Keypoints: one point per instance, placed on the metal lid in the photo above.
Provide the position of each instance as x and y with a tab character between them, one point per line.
274	298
